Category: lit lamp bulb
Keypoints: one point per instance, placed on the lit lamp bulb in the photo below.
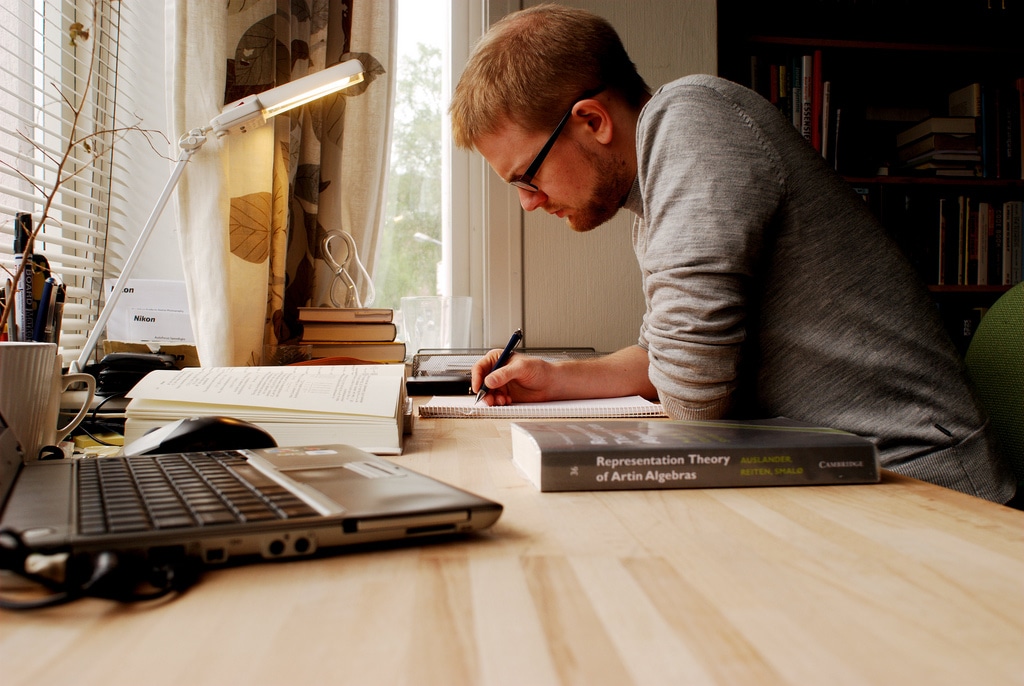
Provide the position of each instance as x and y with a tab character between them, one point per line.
253	111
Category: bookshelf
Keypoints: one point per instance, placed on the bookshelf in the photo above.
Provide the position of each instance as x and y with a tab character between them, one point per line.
878	67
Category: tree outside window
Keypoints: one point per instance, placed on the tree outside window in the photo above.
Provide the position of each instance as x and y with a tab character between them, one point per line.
411	248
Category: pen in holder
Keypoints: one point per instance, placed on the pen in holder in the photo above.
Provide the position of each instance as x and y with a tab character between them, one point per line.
340	263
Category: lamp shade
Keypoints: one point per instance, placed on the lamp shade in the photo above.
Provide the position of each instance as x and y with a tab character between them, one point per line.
253	111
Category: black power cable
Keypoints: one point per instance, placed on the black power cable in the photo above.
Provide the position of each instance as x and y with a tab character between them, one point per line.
125	579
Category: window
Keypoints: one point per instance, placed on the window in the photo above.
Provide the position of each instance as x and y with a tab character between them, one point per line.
434	239
58	83
413	251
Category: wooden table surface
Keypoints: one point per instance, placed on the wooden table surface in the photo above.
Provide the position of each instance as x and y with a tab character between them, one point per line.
896	583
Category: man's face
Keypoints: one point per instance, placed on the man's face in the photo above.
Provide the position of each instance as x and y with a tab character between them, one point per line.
584	185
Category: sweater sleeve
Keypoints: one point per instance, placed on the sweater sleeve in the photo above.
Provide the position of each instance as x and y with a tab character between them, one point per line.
711	186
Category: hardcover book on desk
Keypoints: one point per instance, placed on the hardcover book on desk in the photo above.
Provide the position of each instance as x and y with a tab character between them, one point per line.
371	315
631	455
331	324
362	333
331	332
358	405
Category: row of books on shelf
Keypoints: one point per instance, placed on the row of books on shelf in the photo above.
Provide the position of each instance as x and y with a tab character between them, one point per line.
978	134
979	242
798	88
363	333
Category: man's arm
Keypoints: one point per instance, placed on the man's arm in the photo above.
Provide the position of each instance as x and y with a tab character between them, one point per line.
530	379
711	186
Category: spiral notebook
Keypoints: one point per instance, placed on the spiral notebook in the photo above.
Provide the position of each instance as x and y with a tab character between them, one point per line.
466	407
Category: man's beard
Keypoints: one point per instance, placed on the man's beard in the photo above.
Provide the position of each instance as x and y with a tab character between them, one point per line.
614	184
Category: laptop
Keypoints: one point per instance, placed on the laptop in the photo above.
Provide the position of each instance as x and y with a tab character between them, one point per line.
287	503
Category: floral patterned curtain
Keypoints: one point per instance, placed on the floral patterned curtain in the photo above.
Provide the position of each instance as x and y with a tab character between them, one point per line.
253	213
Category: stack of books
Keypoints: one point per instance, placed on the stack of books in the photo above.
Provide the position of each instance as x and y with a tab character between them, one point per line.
362	333
940	146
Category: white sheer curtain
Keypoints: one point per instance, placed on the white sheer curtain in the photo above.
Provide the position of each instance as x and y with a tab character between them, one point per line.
361	164
230	211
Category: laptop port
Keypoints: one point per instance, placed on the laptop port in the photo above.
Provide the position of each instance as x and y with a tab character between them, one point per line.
302	545
427	530
215	555
276	547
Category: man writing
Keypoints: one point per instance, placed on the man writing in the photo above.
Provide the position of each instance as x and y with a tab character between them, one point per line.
770	289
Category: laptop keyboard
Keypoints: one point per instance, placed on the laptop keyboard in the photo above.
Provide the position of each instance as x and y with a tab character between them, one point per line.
125	494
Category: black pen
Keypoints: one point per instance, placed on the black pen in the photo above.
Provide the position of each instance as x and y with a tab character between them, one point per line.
59	298
44	313
517	336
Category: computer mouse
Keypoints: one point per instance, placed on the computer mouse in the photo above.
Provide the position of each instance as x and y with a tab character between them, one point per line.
201	433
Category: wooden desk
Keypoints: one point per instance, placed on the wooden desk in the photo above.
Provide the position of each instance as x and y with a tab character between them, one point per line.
896	583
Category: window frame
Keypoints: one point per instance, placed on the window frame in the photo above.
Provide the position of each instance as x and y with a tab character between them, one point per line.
485	221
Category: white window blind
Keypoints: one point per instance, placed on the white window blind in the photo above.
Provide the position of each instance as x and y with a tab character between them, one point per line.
50	72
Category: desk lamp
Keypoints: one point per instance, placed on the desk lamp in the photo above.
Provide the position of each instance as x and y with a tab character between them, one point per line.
240	116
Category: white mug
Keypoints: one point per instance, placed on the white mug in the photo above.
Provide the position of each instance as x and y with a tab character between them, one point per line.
31	385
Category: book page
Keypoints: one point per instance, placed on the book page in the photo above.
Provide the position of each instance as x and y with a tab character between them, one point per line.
371	390
465	406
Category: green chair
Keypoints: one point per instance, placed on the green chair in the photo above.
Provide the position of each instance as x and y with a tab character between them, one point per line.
995	361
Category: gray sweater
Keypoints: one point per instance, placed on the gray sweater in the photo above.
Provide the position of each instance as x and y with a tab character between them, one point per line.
772	291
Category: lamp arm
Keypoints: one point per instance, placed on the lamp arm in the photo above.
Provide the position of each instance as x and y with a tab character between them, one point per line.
189	144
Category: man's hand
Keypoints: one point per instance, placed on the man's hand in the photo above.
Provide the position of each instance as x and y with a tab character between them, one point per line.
523	379
527	379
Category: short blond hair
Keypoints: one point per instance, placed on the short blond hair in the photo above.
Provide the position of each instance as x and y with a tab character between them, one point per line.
532	64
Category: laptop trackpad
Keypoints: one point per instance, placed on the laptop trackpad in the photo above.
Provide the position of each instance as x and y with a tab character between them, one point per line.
361	483
290	459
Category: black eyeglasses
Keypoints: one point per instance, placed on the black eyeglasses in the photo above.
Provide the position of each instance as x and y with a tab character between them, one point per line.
524	180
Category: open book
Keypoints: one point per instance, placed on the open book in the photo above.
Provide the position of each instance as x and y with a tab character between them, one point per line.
465	406
359	405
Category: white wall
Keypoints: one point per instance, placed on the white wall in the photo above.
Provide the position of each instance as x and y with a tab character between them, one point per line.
584	289
142	166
